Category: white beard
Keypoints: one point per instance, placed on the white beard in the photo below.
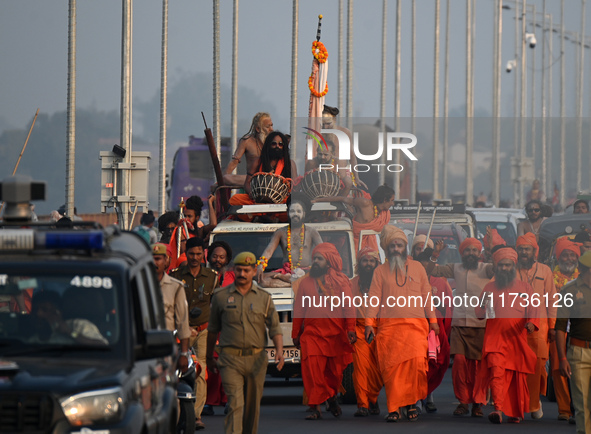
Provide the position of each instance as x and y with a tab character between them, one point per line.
397	263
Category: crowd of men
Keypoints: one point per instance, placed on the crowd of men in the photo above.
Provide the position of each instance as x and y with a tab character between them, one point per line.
499	349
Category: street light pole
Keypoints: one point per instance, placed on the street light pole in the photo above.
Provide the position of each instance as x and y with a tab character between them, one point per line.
446	101
523	76
163	110
562	110
580	90
382	174
436	194
413	91
469	101
496	174
397	91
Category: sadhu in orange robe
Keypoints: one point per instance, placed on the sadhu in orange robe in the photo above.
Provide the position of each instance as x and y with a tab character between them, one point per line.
507	358
326	350
401	341
367	379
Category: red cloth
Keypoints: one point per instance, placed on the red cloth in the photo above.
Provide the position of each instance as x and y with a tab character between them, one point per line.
528	239
463	376
377	224
565	244
505	253
227	278
469	242
326	350
334	278
438	367
506	355
174	261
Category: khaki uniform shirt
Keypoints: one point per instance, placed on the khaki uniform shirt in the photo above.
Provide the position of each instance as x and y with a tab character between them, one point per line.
176	309
198	290
243	319
577	295
469	283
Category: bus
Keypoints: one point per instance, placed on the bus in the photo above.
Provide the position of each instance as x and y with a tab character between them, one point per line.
192	170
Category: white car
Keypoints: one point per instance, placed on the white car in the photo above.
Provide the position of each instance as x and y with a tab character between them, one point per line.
504	220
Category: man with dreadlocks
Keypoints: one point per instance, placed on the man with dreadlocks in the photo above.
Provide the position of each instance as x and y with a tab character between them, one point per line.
274	159
250	144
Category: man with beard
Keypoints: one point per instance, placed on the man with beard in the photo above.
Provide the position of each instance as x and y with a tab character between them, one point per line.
274	159
219	256
440	288
250	144
575	363
200	283
539	276
507	358
467	330
403	324
533	209
241	314
297	242
325	335
567	255
366	373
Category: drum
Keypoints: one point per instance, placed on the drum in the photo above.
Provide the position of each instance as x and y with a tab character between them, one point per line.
320	183
269	188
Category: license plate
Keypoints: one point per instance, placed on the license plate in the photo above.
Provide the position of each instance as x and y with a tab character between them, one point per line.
290	354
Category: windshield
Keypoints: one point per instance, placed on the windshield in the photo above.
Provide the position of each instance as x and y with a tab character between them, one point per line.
43	310
505	230
256	242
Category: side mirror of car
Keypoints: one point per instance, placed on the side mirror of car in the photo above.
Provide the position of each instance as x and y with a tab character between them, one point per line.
158	343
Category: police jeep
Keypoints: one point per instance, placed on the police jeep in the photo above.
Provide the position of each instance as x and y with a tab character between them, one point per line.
95	355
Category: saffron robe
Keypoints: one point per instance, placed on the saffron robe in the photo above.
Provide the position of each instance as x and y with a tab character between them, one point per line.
366	373
325	348
402	331
507	358
438	367
377	224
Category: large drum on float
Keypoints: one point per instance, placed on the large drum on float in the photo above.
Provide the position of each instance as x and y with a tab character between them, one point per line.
320	183
269	188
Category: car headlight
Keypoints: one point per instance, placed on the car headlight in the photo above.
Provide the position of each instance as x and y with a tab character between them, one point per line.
91	407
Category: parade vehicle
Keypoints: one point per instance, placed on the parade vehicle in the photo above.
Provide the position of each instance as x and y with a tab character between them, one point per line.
254	236
504	220
83	342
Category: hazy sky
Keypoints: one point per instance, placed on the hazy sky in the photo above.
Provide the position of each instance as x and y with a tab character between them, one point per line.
33	49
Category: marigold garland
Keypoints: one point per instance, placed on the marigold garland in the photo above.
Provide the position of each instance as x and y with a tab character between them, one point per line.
375	212
289	247
560	279
319	51
264	261
314	91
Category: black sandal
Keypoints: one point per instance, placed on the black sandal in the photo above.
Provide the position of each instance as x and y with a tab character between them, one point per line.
361	412
412	413
314	415
333	407
393	417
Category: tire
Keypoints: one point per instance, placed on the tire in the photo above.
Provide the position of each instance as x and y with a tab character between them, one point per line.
186	423
349	396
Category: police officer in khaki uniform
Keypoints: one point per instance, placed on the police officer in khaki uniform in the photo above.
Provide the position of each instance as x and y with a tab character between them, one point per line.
200	283
175	303
241	313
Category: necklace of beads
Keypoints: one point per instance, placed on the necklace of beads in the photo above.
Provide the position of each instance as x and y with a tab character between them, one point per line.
375	212
289	247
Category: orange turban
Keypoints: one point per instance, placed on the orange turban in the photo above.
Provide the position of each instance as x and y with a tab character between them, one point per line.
390	233
497	240
334	277
420	239
566	244
469	242
528	239
368	251
505	253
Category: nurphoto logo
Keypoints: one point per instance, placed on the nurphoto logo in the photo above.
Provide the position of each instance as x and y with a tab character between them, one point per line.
394	141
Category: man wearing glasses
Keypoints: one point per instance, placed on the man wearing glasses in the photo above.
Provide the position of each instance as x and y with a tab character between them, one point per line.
534	220
200	283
